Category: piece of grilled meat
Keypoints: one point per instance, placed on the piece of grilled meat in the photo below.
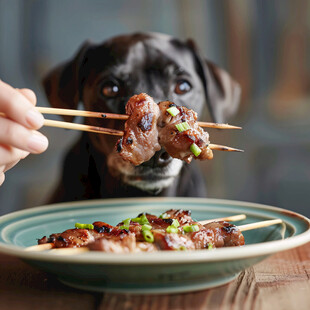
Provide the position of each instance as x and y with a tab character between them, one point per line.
177	144
140	140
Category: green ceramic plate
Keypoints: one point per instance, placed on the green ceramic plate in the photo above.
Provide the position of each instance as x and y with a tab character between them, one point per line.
162	272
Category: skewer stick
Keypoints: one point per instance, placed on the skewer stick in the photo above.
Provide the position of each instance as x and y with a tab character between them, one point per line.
232	218
259	224
69	112
69	251
40	247
224	148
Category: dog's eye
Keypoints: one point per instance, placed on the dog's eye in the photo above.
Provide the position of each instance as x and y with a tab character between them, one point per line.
182	87
110	89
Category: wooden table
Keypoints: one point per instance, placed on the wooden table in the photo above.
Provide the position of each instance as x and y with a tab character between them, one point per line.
280	282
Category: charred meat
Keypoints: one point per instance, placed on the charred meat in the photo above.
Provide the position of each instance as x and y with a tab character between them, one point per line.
178	142
151	126
140	140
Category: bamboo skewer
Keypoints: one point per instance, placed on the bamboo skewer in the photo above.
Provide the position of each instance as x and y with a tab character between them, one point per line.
259	224
69	112
233	218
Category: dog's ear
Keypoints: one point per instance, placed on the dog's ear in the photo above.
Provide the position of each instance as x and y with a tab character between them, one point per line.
63	84
221	91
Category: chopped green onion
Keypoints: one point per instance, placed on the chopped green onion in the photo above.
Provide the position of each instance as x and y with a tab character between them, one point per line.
124	227
173	111
146	227
175	223
182	248
195	149
127	222
141	220
172	230
84	226
210	246
191	228
182	126
164	216
148	236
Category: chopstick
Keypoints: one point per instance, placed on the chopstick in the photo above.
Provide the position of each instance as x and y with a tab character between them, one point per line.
70	112
115	132
70	251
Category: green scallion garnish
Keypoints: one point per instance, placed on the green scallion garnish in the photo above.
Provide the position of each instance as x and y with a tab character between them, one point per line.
141	219
127	222
164	216
175	223
191	228
195	149
172	230
210	246
124	227
146	227
148	236
173	111
182	126
182	248
84	226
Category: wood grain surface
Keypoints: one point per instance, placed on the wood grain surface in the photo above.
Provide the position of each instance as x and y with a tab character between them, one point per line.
280	282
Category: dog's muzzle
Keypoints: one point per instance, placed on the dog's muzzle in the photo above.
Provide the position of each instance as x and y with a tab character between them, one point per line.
152	176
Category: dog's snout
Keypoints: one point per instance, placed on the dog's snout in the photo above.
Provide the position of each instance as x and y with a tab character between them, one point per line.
160	159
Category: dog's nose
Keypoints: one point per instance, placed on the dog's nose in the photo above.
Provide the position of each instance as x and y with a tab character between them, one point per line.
160	159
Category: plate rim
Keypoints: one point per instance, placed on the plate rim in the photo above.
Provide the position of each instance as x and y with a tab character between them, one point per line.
198	256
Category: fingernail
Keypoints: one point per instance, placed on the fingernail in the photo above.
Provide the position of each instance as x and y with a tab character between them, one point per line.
34	119
37	143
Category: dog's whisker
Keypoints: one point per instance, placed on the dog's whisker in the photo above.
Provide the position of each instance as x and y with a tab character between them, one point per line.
69	112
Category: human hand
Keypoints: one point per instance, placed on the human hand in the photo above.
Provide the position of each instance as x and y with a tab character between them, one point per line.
18	130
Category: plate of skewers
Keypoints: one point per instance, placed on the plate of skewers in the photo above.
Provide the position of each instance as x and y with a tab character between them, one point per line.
150	245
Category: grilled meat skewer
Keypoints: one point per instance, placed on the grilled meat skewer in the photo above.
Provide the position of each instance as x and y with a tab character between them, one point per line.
174	230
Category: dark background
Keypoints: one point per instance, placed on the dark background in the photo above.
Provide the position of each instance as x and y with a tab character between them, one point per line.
263	44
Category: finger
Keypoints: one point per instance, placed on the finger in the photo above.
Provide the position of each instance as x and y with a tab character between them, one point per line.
11	165
9	155
18	108
15	135
2	178
29	94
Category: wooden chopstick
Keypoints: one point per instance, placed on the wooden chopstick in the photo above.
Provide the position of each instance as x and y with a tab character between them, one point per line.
69	112
82	127
115	132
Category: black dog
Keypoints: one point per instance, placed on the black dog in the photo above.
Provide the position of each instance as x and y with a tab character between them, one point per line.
103	77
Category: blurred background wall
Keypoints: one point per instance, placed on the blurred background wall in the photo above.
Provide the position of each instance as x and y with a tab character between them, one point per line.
264	44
